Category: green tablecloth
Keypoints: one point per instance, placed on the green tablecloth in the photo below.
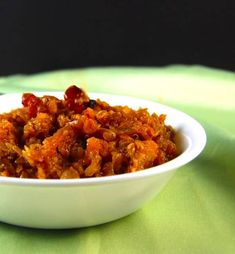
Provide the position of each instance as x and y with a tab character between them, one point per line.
195	213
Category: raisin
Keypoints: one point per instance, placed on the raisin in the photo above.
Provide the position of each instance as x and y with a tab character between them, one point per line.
91	103
72	93
75	99
32	102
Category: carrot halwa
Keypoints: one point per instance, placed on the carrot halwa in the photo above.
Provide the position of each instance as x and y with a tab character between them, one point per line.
78	137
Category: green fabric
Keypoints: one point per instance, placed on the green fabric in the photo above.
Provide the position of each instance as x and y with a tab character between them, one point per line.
195	213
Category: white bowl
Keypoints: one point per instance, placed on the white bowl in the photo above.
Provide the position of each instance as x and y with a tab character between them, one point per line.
76	203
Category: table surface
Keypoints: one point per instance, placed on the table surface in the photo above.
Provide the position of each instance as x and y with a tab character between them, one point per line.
195	213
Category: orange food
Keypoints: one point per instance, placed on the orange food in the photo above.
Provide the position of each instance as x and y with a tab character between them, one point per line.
78	137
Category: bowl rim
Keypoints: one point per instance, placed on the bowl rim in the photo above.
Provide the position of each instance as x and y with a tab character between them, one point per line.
190	153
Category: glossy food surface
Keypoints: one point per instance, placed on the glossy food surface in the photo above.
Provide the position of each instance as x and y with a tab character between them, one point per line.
78	137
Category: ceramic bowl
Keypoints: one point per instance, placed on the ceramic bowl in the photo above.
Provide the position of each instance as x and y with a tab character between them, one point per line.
75	203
